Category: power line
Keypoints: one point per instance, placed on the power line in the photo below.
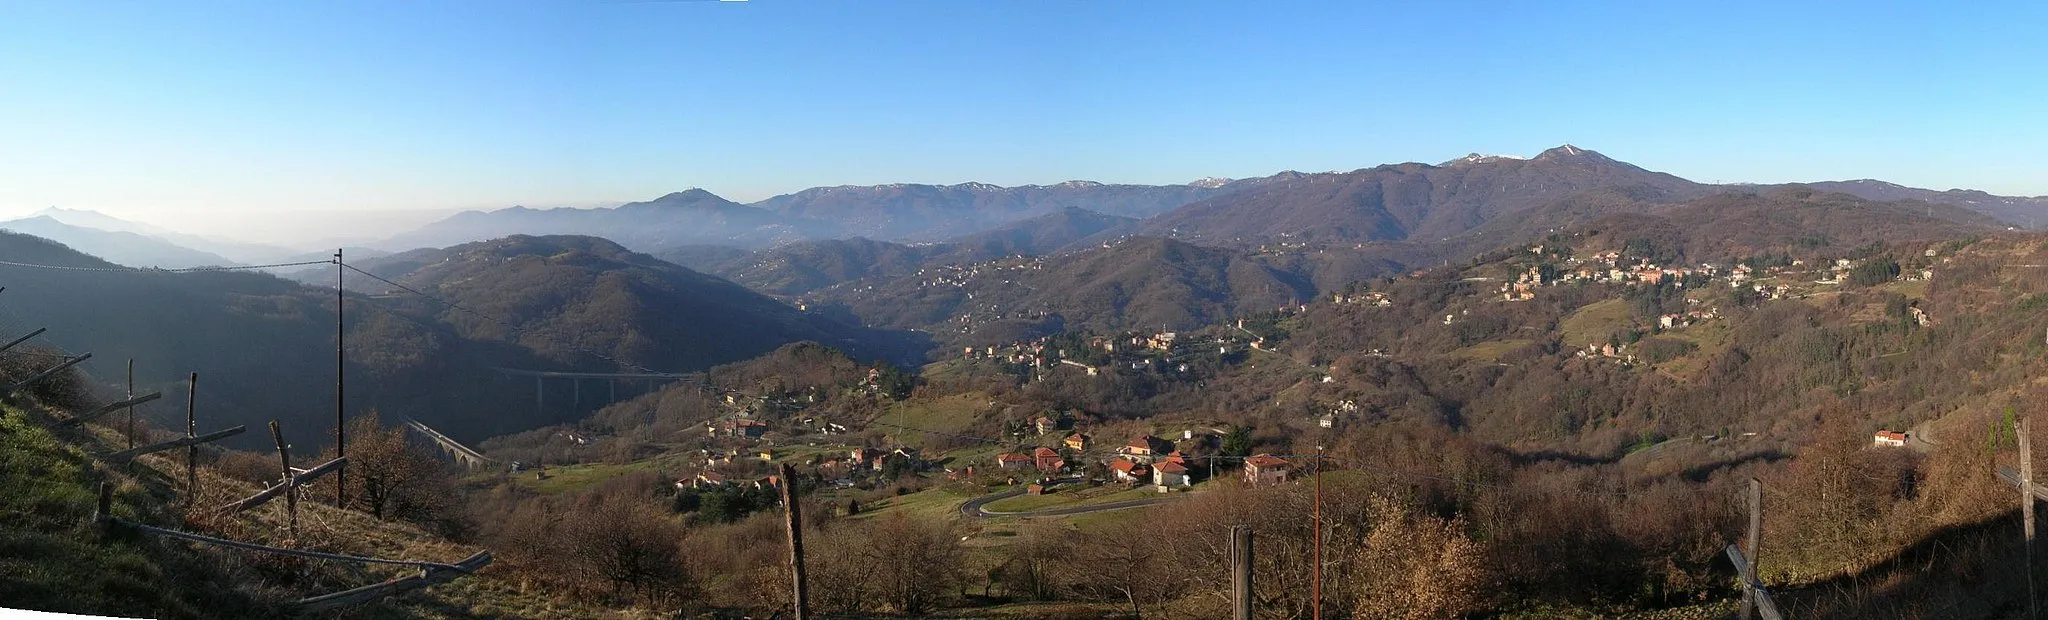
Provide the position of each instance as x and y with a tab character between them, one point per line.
160	270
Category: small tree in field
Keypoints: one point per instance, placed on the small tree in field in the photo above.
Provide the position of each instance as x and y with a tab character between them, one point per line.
388	477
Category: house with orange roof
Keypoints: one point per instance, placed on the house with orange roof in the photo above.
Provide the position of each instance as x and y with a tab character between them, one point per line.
1266	469
1127	470
1047	459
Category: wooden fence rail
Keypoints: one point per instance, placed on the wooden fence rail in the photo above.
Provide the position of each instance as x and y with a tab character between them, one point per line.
68	362
432	575
298	479
129	455
110	408
1765	606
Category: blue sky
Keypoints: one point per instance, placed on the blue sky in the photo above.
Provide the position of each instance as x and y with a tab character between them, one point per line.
182	111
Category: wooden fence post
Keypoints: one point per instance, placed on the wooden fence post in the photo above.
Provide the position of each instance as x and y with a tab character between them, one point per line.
2027	511
191	431
1241	572
103	512
131	408
291	492
1755	543
793	511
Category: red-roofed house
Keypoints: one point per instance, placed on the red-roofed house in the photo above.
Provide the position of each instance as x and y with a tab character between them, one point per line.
1891	439
1127	470
1145	449
1013	460
1266	469
864	456
1047	459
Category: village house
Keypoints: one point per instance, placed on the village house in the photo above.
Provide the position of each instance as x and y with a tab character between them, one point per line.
1890	439
1145	449
1265	469
1045	425
1126	470
706	480
1013	460
740	428
1047	460
1169	475
1077	442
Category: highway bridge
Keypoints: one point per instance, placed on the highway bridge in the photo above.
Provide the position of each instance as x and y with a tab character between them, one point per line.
576	379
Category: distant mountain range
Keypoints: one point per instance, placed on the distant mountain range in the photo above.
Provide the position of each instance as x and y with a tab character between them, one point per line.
125	248
237	251
1411	201
900	212
808	266
1393	202
2015	210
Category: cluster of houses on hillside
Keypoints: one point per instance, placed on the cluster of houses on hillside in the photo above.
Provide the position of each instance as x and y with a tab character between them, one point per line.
1145	460
1608	351
1163	352
843	469
1369	298
1609	267
710	480
958	276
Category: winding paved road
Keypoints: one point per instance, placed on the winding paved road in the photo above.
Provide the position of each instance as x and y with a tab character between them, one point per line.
977	508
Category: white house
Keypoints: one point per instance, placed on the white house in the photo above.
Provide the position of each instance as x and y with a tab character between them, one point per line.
1169	475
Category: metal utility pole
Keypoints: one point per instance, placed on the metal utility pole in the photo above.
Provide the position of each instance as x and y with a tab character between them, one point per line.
801	591
340	415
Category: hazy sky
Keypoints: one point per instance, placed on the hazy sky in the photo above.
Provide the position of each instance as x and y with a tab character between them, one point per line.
183	113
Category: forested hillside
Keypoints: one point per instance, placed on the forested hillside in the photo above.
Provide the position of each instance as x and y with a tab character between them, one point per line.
1548	430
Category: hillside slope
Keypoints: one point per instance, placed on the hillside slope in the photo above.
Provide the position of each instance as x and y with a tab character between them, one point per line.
569	297
263	346
1145	282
